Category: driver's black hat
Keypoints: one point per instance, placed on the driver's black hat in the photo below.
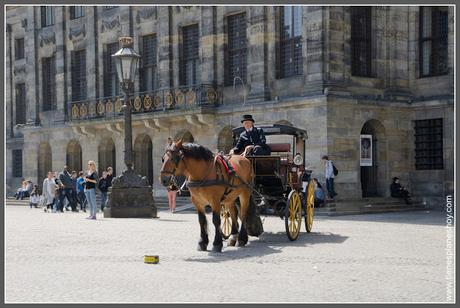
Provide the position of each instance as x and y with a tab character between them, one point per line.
247	117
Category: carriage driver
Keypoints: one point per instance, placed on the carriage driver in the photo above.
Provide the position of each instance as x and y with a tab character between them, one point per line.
253	137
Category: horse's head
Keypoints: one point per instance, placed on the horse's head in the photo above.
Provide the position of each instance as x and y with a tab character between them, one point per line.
172	163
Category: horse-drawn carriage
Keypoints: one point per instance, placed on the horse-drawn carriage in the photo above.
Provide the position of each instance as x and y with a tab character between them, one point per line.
281	184
241	187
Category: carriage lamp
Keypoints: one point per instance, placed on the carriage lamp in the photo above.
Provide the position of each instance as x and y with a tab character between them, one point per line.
298	159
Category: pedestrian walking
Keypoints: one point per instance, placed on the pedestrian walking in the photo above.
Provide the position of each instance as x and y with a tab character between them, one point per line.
103	188
66	190
81	191
91	181
329	166
49	191
172	194
34	197
57	194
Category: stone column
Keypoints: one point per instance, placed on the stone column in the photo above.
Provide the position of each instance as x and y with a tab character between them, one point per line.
29	53
313	35
163	40
91	55
257	56
207	45
60	58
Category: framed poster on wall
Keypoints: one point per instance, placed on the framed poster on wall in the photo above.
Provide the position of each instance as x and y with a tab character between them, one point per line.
365	150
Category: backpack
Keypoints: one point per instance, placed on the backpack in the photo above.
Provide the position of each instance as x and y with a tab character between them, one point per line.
335	170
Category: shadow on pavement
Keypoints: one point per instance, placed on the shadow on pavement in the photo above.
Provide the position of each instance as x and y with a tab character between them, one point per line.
268	243
423	217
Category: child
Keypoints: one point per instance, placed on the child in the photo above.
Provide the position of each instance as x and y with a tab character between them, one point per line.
34	197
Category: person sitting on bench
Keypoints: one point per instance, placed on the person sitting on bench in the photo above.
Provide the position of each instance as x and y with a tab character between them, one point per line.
397	191
252	141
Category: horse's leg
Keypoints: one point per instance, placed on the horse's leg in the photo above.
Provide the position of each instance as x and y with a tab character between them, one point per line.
217	244
234	215
244	202
204	240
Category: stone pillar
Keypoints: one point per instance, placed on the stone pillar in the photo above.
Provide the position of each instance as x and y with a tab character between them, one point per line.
257	56
163	40
60	58
91	55
313	34
207	45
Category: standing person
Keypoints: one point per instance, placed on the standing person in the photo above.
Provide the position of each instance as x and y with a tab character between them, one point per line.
91	180
49	191
74	191
251	137
109	176
66	190
81	191
329	176
34	197
57	193
103	187
172	194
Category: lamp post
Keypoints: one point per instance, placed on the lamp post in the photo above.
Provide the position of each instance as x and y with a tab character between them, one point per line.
130	194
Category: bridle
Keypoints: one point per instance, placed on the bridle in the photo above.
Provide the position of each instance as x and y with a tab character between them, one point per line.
176	157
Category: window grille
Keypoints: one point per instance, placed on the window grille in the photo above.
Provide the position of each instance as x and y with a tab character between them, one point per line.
77	12
47	16
148	63
433	35
21	103
17	163
236	52
78	75
361	41
290	49
429	144
190	55
49	83
111	82
19	49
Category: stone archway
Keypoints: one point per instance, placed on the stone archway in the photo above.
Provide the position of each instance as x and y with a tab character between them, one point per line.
106	156
45	162
225	139
374	182
143	160
74	156
185	135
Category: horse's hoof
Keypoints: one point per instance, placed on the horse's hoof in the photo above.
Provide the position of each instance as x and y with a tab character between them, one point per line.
231	242
216	248
202	247
241	243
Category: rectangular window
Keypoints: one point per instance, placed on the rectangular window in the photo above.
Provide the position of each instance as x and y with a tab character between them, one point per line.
111	82
21	103
236	52
49	83
148	63
433	35
429	144
47	16
190	55
107	7
17	163
78	63
77	12
19	48
290	41
361	41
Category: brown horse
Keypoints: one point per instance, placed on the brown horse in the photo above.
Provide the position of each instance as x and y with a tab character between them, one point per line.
211	186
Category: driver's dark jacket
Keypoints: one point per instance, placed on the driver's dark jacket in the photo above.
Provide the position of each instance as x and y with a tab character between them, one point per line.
254	137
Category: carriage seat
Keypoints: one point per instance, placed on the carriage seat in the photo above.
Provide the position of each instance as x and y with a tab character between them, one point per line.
280	147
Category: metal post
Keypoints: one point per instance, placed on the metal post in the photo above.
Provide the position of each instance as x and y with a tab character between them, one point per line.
128	126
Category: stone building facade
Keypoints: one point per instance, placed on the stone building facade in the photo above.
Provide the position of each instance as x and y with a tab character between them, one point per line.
336	71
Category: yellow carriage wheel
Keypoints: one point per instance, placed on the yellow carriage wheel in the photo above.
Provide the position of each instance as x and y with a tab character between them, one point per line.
293	216
310	206
225	222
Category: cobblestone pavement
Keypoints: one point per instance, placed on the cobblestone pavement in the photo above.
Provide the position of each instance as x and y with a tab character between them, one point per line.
395	257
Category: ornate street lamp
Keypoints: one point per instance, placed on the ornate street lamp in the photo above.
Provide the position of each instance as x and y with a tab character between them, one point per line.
130	194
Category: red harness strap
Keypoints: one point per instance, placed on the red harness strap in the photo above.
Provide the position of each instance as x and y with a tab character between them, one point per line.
229	167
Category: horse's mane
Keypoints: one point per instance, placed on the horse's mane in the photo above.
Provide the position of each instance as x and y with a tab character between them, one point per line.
196	151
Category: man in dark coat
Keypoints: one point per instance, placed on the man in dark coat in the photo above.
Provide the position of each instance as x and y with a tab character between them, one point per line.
66	181
397	191
252	136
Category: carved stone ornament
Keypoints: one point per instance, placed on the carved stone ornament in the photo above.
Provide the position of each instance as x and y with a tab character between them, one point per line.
191	97
169	99
129	179
211	96
47	37
100	108
179	97
147	102
75	112
109	106
118	105
156	101
83	110
77	31
137	103
110	24
146	13
20	69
